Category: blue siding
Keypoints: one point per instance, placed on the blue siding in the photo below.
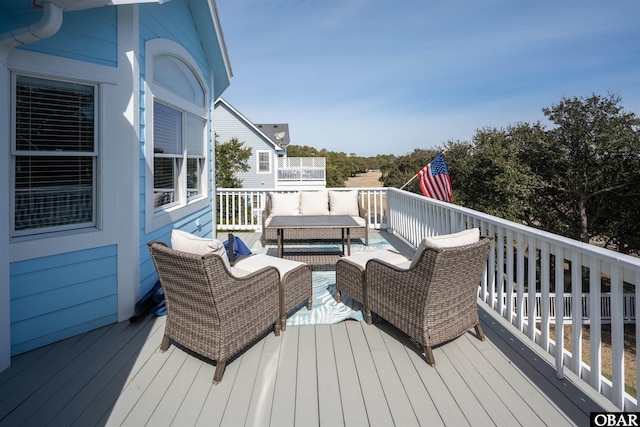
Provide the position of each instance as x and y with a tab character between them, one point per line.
86	35
58	296
172	21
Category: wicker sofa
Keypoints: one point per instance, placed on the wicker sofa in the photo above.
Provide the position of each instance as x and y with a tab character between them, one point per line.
432	297
323	202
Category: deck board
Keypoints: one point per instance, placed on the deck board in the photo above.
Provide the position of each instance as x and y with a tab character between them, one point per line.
421	403
492	403
329	399
237	408
352	401
375	401
306	411
348	374
399	403
283	409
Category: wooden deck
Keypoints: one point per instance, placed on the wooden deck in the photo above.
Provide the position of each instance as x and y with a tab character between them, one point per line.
347	374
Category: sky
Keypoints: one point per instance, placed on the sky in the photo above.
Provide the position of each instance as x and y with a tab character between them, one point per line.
389	76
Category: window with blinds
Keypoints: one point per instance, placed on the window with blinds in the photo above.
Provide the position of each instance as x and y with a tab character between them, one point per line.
55	154
178	133
178	149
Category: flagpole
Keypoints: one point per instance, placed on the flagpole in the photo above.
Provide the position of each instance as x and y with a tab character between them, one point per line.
414	176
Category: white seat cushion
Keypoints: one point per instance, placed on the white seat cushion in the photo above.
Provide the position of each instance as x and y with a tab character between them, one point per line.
461	238
187	242
258	261
360	259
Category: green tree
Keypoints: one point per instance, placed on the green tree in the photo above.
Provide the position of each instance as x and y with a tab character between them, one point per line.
487	175
586	171
231	157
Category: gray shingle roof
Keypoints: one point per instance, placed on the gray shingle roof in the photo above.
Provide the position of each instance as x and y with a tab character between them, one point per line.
273	129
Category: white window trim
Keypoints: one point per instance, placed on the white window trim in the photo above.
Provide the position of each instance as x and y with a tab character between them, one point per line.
155	219
258	171
34	246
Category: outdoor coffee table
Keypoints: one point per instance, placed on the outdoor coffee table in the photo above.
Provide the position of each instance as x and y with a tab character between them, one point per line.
282	223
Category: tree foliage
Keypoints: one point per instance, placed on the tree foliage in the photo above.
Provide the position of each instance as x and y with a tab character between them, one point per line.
579	179
231	157
586	171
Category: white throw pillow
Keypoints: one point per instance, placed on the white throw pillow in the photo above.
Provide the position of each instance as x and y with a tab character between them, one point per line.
344	202
314	203
285	203
187	242
461	238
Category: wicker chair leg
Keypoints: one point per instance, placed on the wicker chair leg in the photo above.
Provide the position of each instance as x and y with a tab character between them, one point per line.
283	322
217	376
309	303
338	296
429	355
368	317
276	329
479	332
164	346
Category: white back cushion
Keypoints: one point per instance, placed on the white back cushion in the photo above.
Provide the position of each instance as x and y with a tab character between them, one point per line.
461	238
314	203
344	202
187	242
285	203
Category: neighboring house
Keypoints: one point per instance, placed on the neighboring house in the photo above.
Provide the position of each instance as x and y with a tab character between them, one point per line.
106	142
269	165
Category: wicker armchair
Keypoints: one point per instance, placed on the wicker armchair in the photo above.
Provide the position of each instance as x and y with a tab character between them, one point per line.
211	312
435	300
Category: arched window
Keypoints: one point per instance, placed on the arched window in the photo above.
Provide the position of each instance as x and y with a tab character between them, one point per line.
176	127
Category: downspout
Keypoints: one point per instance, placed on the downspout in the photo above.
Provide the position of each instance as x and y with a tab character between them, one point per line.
48	25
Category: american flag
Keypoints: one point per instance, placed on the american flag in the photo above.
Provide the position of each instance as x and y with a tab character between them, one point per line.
434	180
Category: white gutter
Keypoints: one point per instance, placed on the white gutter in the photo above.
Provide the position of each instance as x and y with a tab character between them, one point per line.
48	25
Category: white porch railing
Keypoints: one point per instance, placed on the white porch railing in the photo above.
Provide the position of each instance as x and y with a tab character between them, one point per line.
505	289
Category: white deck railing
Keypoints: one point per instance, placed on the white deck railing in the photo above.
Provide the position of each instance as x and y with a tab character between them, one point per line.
506	289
